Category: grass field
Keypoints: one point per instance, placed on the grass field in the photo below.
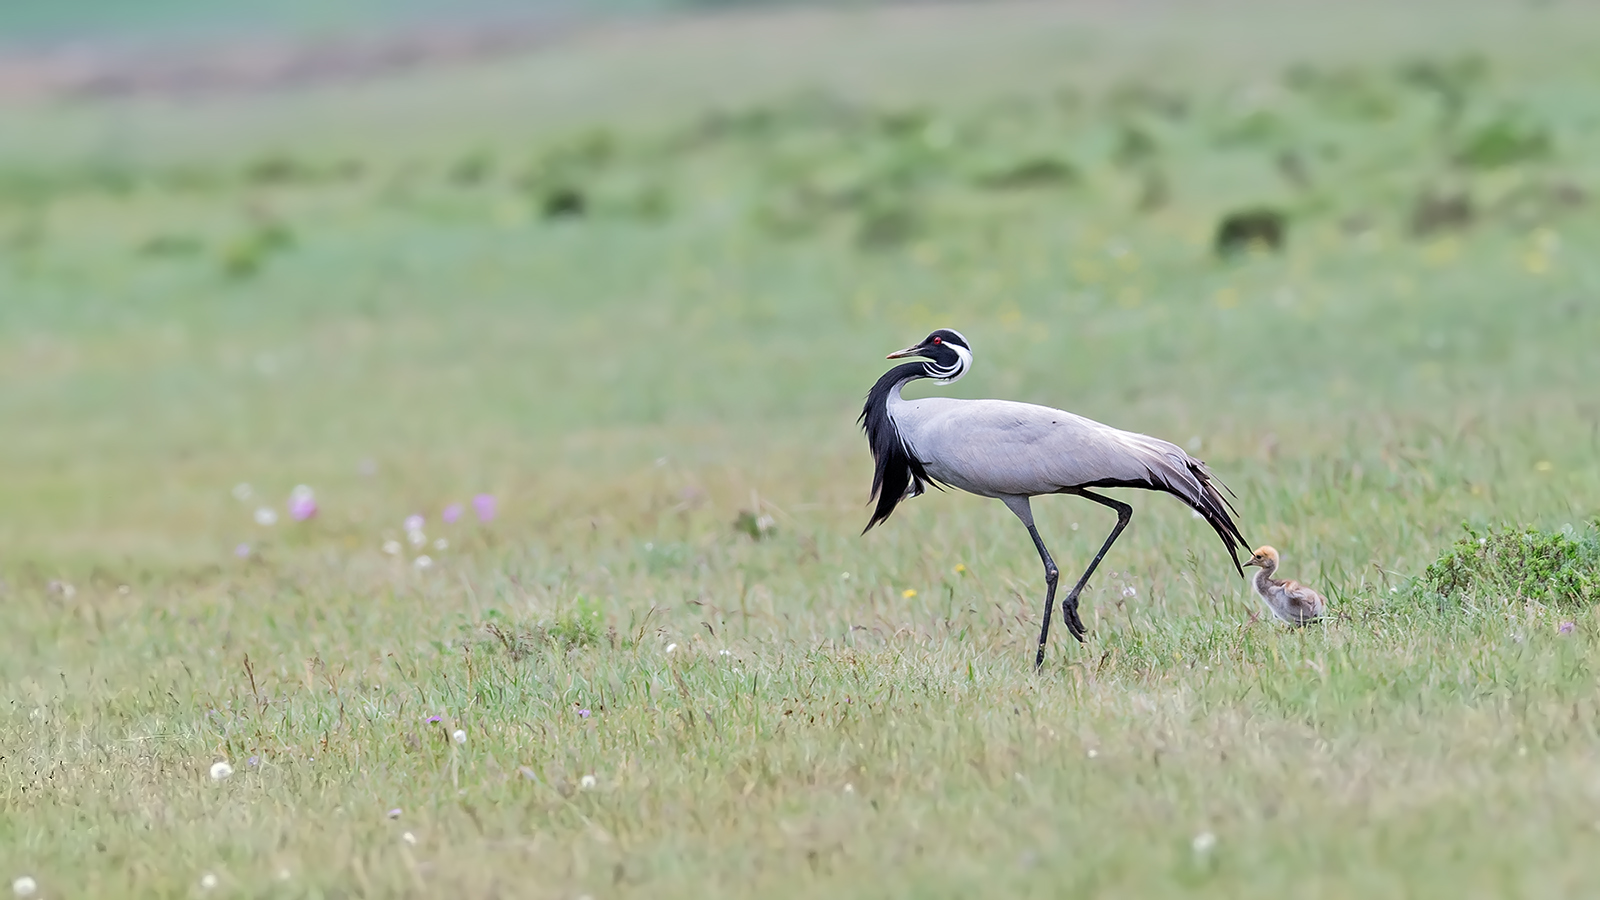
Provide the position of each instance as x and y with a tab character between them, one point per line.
634	288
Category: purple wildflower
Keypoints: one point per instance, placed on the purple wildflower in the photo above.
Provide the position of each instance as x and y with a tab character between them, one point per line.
1566	627
434	720
394	813
451	513
583	713
242	551
302	503
255	760
414	522
484	505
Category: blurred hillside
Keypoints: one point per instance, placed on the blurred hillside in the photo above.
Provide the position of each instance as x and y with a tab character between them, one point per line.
25	22
500	73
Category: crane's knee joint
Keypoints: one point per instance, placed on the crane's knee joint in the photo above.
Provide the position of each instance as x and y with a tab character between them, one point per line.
1051	574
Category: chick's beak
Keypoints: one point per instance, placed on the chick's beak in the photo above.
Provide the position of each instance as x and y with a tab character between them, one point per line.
1253	561
909	351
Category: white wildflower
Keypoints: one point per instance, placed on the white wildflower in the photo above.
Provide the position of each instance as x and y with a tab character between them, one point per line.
302	492
24	886
671	647
588	782
416	537
391	547
423	562
208	881
441	544
458	736
266	515
1204	842
409	838
220	770
849	788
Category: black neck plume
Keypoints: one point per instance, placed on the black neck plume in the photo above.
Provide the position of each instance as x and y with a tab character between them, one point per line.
896	474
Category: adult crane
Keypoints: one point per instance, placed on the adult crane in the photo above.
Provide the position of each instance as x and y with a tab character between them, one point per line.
1015	451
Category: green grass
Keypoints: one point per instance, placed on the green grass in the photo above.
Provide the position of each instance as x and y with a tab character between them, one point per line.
797	709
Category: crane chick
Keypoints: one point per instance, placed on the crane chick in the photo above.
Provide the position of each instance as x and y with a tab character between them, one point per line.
1289	600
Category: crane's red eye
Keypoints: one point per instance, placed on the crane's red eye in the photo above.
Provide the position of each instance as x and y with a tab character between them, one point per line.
938	340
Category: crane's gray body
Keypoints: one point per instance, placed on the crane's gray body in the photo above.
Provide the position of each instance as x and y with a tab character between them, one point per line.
1010	450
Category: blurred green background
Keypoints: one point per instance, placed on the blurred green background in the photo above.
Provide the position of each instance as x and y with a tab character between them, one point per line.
630	269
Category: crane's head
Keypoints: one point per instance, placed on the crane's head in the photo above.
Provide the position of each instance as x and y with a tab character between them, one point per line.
948	353
1266	558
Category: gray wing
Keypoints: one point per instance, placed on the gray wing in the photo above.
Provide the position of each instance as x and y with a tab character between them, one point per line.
1302	602
1000	448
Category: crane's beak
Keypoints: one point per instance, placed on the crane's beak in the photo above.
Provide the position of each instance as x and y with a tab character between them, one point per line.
909	351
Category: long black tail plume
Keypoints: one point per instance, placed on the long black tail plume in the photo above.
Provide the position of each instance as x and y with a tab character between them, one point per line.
1219	513
1194	484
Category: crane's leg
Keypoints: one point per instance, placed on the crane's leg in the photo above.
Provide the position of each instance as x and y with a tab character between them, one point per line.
1019	505
1051	574
1069	606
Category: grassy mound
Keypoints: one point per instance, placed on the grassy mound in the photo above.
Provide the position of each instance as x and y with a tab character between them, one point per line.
1553	567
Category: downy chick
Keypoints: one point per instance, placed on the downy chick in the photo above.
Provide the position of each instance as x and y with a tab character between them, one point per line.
1290	601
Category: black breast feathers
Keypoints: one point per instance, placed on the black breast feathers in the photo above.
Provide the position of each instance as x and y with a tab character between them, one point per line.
897	474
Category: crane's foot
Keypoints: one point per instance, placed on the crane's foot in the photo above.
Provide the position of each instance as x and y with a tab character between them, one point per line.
1069	612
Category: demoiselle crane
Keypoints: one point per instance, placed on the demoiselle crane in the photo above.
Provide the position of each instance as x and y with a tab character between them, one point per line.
1289	600
1014	451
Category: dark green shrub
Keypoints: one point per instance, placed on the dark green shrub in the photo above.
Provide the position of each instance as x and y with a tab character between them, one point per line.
1035	172
885	224
1136	145
244	256
1552	567
1503	142
575	628
753	525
